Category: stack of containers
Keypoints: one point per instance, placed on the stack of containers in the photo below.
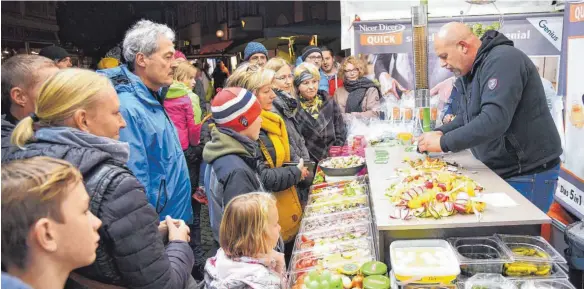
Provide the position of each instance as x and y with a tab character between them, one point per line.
336	236
499	261
518	259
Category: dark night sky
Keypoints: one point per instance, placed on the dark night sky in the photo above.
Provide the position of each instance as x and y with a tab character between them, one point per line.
95	27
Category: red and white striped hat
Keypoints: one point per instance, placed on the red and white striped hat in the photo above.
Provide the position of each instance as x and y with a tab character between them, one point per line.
235	108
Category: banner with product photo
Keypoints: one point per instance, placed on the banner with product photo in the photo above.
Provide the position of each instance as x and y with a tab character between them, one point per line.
570	191
387	47
390	41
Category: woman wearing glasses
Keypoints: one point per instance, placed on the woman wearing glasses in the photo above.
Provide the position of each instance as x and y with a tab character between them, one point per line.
359	97
286	105
274	148
321	120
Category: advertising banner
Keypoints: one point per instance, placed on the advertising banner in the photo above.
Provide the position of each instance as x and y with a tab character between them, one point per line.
387	47
570	191
388	43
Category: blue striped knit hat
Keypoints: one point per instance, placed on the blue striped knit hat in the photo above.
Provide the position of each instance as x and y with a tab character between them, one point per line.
235	108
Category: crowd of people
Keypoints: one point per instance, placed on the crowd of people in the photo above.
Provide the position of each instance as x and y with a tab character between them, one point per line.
104	173
145	143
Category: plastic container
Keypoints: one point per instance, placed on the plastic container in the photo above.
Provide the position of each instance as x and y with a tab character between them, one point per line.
547	284
297	280
336	205
488	281
374	268
335	220
424	261
316	189
348	191
401	285
376	282
556	273
323	239
334	261
480	255
533	256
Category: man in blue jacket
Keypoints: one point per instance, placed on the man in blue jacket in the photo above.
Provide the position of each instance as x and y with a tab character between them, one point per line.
503	115
156	157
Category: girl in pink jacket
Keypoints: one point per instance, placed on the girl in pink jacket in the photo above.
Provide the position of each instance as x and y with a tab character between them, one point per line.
179	106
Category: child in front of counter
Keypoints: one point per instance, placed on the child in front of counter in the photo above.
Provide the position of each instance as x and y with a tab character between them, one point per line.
249	231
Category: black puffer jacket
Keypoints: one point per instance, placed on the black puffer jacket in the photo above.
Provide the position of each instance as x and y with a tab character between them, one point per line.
131	252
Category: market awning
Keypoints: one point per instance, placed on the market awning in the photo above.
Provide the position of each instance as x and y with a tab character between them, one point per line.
215	47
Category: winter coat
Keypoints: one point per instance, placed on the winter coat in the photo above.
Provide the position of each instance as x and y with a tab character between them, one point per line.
197	96
275	149
287	108
11	282
180	109
231	171
327	130
130	252
370	105
503	115
334	81
7	128
221	272
157	157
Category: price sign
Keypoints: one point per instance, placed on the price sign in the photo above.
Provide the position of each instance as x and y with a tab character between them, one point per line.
571	195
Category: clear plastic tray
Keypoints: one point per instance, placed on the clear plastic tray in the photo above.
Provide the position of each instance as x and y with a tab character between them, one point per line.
480	255
334	220
311	259
488	281
546	284
539	244
424	261
317	189
349	191
336	205
556	273
332	235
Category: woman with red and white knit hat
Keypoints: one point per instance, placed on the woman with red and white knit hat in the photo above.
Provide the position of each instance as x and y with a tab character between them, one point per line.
232	152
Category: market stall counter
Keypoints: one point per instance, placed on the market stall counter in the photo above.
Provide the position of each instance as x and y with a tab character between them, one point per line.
506	210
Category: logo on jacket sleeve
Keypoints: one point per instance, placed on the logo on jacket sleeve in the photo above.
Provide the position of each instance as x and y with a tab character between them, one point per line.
492	83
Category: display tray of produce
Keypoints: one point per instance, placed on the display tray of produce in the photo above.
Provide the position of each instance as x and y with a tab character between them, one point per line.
350	189
327	279
342	166
532	255
480	255
323	222
323	187
433	188
328	237
335	256
335	204
546	284
424	261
